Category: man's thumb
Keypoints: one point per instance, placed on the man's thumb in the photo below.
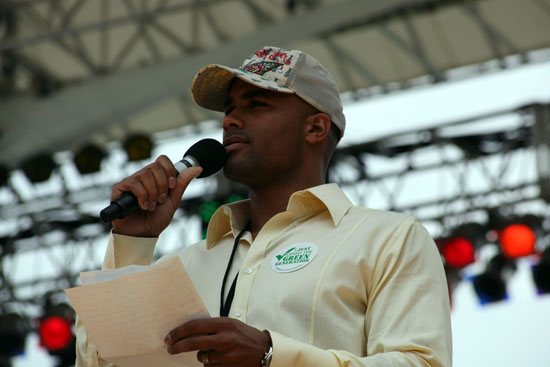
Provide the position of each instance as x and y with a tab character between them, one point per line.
183	180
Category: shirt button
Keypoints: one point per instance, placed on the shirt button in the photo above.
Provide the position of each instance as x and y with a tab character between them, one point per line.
248	270
239	313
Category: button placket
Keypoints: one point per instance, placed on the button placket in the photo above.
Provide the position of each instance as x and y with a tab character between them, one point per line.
252	261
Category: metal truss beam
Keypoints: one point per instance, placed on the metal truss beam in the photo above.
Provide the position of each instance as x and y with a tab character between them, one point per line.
494	37
414	49
447	210
541	133
351	60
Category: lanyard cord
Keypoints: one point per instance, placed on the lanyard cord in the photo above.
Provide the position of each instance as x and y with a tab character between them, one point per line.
226	306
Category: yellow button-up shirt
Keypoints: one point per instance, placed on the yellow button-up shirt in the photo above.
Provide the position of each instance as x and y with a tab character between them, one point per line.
368	287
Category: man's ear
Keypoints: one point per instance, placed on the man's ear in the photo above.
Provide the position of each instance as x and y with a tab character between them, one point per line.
317	128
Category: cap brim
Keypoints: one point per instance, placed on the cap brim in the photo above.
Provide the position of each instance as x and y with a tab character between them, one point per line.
210	87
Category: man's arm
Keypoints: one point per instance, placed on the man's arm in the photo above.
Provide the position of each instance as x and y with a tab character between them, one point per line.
159	192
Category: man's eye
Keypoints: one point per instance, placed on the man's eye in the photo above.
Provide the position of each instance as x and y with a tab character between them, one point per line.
257	104
228	110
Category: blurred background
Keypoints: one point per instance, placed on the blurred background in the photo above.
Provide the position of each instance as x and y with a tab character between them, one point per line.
448	108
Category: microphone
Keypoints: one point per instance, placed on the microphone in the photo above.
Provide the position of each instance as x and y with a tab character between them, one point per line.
206	153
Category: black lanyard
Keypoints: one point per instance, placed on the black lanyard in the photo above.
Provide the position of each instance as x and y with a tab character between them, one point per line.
226	306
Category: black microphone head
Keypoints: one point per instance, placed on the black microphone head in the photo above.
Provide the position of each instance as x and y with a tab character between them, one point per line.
210	154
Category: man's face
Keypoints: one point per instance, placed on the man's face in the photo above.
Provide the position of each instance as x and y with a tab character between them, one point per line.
263	134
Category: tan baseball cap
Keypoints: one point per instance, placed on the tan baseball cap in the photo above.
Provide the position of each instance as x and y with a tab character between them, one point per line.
277	69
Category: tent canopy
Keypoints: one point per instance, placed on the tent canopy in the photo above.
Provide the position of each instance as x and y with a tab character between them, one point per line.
80	71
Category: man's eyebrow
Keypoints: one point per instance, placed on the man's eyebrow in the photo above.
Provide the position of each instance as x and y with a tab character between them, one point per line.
249	95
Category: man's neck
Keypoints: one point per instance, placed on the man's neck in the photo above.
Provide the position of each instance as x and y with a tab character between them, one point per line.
266	203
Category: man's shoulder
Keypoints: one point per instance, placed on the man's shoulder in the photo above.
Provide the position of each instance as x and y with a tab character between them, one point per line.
384	217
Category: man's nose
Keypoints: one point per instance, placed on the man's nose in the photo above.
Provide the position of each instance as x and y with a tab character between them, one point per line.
232	121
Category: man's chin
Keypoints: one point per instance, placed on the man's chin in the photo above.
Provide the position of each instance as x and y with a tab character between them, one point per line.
237	173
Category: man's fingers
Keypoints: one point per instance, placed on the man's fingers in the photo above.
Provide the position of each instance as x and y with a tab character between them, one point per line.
193	327
182	182
131	184
193	343
150	184
169	171
161	182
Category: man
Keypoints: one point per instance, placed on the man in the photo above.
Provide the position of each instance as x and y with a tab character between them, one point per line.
306	278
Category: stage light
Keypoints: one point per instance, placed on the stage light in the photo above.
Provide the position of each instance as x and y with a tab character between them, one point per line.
138	147
458	252
490	286
88	159
4	175
541	273
56	334
517	240
38	168
13	333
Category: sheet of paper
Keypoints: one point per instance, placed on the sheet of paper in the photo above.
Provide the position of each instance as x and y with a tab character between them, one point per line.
128	317
99	276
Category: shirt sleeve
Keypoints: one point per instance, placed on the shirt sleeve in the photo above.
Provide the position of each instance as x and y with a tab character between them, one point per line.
121	251
407	320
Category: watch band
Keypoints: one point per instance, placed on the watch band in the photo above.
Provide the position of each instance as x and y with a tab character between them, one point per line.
266	360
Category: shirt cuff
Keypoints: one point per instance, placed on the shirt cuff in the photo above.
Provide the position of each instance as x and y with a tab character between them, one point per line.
126	250
290	352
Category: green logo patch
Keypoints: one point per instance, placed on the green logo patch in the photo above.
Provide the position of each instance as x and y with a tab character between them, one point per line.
294	257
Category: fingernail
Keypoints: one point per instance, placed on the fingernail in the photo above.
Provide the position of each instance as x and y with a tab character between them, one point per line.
153	205
145	205
167	339
162	198
172	182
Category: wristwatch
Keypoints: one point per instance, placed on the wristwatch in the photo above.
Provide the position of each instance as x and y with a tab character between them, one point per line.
266	360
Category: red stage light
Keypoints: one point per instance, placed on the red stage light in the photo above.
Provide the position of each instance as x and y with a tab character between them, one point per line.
458	252
55	333
517	240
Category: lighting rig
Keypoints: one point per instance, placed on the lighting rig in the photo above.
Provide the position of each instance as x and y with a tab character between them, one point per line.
472	183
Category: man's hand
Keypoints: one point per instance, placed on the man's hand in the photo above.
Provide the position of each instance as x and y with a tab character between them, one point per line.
220	341
159	193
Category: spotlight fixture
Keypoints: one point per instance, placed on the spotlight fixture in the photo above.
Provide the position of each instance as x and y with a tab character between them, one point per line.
458	252
490	286
55	329
517	240
138	147
4	175
39	167
541	273
88	159
13	333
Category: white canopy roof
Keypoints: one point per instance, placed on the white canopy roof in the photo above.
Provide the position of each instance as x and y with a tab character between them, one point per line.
96	71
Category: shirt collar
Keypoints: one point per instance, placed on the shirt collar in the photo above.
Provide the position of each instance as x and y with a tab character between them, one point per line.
232	218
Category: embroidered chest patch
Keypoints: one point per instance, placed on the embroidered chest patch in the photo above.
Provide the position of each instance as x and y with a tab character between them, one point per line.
294	257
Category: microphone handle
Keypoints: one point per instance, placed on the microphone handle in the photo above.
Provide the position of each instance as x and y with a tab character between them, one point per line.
127	203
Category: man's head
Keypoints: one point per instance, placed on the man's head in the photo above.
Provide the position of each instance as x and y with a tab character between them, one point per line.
284	98
280	70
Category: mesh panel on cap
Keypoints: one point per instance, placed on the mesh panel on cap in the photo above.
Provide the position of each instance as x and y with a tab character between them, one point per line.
313	83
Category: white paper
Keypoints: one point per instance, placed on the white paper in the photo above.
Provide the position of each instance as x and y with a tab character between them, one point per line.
128	316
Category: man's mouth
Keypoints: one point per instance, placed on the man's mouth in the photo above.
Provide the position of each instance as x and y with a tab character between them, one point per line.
234	142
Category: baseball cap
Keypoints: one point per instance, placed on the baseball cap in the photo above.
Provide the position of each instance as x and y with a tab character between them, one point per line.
277	69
